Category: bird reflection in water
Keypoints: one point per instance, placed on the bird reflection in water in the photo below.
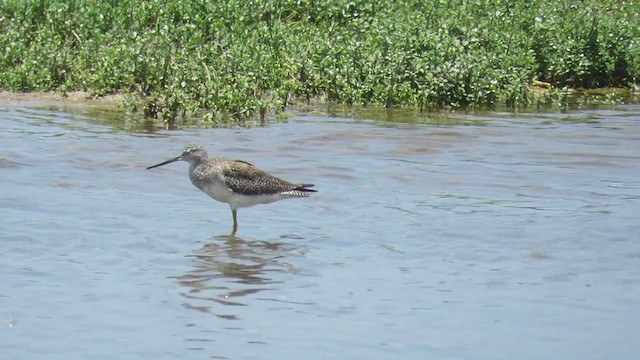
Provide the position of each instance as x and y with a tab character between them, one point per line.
228	268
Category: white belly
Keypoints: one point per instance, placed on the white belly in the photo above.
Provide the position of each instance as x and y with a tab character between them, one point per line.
223	194
238	201
218	192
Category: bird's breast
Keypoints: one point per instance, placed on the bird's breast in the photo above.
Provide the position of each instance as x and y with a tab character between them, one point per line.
210	184
218	192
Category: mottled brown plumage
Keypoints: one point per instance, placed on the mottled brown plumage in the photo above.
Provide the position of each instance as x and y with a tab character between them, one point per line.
236	182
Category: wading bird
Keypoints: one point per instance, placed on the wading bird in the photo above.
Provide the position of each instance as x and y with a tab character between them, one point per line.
235	182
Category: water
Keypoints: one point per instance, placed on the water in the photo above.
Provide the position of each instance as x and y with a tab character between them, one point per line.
510	237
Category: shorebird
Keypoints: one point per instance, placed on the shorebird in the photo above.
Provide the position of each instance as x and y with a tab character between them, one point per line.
236	182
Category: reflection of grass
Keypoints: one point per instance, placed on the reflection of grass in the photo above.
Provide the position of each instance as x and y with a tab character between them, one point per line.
584	119
448	121
114	117
119	120
578	119
608	96
390	116
577	99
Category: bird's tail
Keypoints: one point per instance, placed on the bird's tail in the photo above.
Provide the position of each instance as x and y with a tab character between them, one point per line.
304	188
299	191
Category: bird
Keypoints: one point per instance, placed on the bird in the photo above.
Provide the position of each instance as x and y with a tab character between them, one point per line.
238	183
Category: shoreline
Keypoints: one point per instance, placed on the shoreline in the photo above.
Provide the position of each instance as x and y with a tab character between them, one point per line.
72	98
84	99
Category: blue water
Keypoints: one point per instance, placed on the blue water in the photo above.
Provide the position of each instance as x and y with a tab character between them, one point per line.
514	237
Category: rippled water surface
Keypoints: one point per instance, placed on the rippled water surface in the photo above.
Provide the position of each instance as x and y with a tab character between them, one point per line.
492	236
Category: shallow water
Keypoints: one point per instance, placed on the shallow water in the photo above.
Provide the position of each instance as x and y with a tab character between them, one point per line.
500	236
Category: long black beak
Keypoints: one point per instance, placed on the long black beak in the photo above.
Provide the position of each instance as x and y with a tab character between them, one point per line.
177	158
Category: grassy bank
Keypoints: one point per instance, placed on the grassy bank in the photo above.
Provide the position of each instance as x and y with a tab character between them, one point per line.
249	57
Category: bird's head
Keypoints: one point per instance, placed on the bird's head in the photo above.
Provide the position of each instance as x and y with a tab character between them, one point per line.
192	153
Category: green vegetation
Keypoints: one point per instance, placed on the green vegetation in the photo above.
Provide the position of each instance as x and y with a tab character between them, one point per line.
244	58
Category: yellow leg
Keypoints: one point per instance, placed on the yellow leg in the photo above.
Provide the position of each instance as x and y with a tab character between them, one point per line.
235	221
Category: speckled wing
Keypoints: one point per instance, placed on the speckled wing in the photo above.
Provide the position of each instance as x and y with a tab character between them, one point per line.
246	179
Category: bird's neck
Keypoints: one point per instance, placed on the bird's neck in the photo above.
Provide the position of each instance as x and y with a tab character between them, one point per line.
194	162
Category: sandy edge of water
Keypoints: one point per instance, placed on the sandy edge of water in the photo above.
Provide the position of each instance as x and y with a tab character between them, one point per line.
83	99
74	98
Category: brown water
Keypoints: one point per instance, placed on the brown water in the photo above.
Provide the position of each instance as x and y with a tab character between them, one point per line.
491	236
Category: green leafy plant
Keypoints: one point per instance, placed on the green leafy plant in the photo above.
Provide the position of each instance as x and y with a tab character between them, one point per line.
237	59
